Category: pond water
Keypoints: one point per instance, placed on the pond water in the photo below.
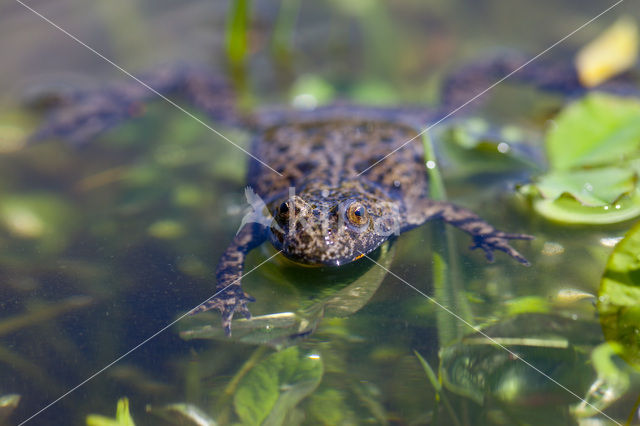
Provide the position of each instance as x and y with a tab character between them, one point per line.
105	246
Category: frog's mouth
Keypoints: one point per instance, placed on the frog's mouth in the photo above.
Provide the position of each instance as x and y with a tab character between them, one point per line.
317	250
306	263
301	264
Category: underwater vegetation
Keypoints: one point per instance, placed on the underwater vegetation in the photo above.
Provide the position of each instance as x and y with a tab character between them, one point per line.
108	245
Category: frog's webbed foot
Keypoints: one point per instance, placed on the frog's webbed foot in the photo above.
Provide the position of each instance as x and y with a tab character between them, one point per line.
499	240
229	297
83	117
229	300
483	234
80	116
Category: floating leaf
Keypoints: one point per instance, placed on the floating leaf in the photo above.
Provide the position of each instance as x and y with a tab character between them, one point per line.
598	130
276	385
593	187
619	296
594	155
614	51
568	210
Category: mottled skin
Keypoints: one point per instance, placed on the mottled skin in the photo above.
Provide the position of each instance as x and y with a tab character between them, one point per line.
323	160
334	200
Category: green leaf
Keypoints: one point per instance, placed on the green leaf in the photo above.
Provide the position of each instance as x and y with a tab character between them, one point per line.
593	187
619	296
276	385
429	372
123	417
569	210
611	383
594	155
328	407
527	304
597	130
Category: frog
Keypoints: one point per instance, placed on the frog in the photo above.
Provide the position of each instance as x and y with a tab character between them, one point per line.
337	181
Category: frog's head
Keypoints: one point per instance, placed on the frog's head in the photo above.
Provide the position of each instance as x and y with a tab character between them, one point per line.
333	230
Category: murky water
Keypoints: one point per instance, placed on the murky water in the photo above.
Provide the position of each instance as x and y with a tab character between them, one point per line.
104	245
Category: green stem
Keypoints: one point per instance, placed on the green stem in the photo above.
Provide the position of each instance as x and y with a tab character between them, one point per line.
439	395
282	42
237	44
446	271
633	412
237	32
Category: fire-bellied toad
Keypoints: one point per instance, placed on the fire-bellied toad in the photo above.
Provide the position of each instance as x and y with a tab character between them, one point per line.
324	175
326	212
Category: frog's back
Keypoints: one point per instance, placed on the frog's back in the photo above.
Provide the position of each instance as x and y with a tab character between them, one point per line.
332	152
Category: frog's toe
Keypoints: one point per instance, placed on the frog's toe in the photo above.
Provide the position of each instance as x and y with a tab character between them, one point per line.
228	311
513	253
228	301
509	236
499	241
227	316
481	244
244	311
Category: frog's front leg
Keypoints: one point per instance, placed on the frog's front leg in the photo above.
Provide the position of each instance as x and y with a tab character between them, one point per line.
81	115
230	297
484	235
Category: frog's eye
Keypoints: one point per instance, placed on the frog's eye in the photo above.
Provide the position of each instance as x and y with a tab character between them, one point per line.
283	210
357	214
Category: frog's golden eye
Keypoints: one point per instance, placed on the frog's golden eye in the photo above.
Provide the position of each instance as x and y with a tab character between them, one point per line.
357	214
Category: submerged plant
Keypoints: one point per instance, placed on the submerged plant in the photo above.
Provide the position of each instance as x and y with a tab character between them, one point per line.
123	417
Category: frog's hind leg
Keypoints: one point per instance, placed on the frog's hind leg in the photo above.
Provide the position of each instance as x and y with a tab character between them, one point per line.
229	296
80	116
483	234
475	80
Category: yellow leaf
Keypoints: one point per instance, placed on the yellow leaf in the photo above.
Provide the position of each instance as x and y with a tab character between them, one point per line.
613	52
123	418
